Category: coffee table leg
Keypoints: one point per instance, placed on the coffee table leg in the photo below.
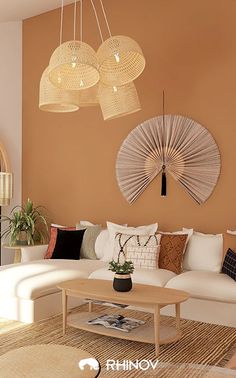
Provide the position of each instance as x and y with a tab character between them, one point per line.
90	306
64	310
157	329
177	314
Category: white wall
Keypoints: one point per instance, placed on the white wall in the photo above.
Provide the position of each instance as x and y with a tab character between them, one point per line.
11	108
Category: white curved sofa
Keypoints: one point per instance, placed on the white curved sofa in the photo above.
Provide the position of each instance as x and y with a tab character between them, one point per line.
213	295
28	290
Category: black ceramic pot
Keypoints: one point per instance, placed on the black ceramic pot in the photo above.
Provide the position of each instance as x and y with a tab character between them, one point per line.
122	282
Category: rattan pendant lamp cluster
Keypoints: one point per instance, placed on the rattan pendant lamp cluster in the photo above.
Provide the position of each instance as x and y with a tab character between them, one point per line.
78	76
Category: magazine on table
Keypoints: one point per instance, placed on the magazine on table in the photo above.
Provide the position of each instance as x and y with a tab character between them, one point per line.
104	303
118	322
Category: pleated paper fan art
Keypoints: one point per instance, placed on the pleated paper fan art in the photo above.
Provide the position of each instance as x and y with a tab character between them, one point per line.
170	144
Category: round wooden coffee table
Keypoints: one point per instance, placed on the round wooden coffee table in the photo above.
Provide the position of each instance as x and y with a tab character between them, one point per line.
151	297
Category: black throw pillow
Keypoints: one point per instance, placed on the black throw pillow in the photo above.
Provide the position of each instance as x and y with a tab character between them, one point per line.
68	244
229	264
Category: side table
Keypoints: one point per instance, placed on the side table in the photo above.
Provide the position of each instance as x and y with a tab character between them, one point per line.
17	248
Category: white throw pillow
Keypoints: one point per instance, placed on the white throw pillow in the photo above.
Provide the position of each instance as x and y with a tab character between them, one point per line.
204	252
87	223
113	229
102	243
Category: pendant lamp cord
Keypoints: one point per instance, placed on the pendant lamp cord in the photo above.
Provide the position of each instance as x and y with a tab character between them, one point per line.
81	20
75	15
105	17
97	19
163	107
61	26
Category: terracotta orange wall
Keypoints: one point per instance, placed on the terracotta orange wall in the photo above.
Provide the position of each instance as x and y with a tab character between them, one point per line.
69	160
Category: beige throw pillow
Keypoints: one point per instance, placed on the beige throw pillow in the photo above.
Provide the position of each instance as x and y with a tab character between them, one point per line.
87	250
142	250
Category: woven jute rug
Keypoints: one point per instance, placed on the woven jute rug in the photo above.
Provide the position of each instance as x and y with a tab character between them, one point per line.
202	345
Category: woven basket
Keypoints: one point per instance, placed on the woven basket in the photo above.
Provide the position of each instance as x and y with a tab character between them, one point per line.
6	184
120	60
73	66
88	97
118	101
53	99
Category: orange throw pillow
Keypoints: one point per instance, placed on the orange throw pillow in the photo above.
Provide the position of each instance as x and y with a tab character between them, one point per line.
53	239
172	252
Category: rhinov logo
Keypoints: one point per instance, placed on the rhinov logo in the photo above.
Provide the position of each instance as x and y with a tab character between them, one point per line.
91	362
129	365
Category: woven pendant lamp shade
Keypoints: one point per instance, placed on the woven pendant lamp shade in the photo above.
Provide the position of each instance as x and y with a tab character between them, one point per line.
6	184
120	60
88	97
73	66
118	101
53	99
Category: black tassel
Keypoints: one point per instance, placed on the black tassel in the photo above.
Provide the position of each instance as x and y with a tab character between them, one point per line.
163	184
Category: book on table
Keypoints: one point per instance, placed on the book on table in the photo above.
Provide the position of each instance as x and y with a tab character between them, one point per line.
117	322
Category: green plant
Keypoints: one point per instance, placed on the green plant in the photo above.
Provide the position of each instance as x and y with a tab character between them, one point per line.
27	220
126	268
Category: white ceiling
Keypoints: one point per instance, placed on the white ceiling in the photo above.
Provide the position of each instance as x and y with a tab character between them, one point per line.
14	10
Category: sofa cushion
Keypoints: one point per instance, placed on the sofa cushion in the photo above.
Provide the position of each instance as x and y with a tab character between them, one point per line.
35	279
68	244
53	238
204	252
142	250
229	264
172	252
87	250
156	277
114	228
101	243
206	285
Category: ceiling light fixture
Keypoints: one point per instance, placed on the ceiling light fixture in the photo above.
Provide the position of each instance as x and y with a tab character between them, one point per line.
77	76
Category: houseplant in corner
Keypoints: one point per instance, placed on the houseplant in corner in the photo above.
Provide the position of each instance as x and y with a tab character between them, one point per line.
122	279
26	225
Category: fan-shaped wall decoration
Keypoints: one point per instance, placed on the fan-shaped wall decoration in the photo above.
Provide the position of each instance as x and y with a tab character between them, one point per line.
173	144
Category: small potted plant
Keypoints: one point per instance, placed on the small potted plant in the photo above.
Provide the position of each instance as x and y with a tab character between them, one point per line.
26	225
122	280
